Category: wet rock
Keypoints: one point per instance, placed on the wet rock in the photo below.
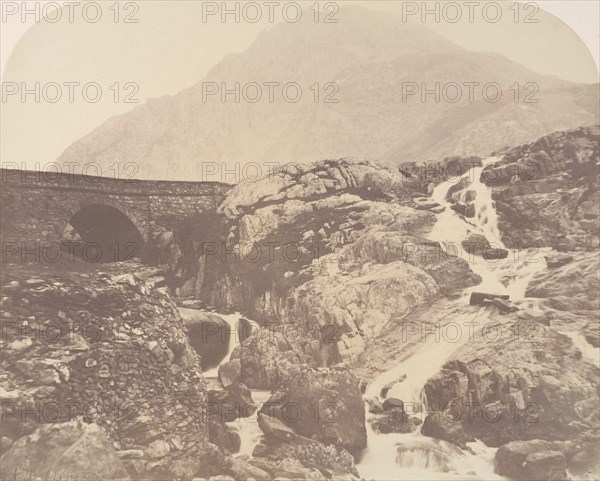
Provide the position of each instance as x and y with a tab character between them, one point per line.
281	442
363	385
425	203
453	193
233	402
335	393
556	200
230	372
476	244
64	449
385	389
444	426
530	383
571	287
530	460
480	298
395	420
467	210
266	358
209	335
245	328
222	435
504	306
591	335
446	386
392	403
375	406
557	259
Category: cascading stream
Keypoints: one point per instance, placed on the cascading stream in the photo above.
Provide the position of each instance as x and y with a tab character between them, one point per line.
248	429
414	456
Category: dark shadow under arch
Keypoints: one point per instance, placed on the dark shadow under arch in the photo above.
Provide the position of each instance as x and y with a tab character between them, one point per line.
107	234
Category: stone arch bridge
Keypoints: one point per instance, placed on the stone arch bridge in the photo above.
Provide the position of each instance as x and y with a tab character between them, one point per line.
46	208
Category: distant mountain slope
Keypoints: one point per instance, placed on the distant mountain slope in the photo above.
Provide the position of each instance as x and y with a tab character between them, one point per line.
368	55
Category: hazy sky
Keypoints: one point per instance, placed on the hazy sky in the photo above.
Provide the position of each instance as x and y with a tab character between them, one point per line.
171	48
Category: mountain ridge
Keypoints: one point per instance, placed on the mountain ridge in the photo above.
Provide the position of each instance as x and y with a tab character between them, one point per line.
363	63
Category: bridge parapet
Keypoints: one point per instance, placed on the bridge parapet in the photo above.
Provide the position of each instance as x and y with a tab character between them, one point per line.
37	207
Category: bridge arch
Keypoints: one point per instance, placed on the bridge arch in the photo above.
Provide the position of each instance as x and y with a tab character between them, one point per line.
107	233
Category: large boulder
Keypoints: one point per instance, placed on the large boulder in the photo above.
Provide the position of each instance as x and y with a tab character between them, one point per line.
477	244
570	286
222	435
534	460
209	335
391	417
530	383
281	443
71	450
265	359
235	401
322	404
447	426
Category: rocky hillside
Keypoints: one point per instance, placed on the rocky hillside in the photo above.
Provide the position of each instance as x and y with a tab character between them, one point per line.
97	377
367	56
331	261
532	383
547	192
333	254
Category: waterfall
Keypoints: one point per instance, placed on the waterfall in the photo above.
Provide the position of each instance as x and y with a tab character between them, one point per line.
233	321
499	276
248	429
414	456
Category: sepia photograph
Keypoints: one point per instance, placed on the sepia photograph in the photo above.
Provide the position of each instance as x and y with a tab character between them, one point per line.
312	240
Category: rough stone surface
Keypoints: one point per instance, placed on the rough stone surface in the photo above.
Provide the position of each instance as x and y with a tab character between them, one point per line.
112	348
534	460
546	192
72	449
322	404
360	255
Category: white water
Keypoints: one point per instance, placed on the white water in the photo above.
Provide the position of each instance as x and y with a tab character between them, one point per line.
420	455
414	456
248	429
500	276
233	320
589	353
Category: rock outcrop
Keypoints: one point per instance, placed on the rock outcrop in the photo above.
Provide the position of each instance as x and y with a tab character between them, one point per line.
530	383
547	192
322	404
108	348
572	286
268	357
209	335
534	460
281	443
333	253
69	450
